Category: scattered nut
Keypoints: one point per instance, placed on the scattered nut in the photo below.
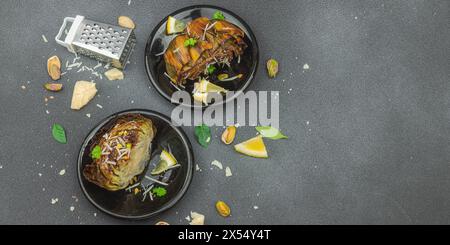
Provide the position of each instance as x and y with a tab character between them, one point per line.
229	135
222	76
162	223
272	68
114	74
54	67
54	87
223	209
125	21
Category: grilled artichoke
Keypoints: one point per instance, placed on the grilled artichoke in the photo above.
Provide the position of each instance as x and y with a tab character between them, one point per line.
125	151
217	41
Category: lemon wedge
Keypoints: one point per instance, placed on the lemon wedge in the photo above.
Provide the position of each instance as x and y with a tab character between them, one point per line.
209	87
167	161
202	88
253	147
174	26
200	97
168	157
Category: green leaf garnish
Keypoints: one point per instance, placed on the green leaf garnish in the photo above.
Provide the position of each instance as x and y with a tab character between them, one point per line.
203	134
190	42
270	132
211	69
159	191
59	134
218	16
96	152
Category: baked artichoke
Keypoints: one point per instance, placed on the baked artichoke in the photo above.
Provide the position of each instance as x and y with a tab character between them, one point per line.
121	153
204	42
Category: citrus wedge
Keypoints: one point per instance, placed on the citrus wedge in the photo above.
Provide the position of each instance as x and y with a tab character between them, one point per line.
168	157
208	87
253	147
160	167
174	26
167	161
200	97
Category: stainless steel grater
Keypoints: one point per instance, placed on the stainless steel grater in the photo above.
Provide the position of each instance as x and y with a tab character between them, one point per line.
106	43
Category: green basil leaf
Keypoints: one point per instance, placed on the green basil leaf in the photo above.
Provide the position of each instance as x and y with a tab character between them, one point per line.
96	153
190	42
159	191
211	69
203	134
270	132
218	16
59	134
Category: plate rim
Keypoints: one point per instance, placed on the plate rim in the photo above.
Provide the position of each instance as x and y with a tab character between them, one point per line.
173	201
194	105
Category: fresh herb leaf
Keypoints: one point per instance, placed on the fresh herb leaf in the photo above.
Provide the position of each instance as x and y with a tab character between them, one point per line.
203	134
218	16
159	191
190	42
59	134
96	152
270	132
211	69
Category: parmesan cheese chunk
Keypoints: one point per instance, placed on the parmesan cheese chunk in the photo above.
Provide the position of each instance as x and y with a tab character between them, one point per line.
114	74
83	92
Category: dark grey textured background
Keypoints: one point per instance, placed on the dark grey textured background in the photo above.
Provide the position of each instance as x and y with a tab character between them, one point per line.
376	97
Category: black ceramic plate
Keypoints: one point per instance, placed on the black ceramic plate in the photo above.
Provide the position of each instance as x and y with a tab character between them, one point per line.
124	204
158	42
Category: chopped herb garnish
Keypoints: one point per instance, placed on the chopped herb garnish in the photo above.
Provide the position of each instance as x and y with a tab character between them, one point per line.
96	152
211	69
59	134
218	16
203	134
190	42
159	191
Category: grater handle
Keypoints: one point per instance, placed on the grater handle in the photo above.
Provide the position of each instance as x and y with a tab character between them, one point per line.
57	38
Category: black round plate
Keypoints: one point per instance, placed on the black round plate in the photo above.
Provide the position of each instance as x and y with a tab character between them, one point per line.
124	204
158	42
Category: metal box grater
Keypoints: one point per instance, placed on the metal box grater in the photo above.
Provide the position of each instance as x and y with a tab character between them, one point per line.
106	43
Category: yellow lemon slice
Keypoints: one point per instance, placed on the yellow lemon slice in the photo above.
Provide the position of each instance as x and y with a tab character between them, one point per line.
174	26
253	147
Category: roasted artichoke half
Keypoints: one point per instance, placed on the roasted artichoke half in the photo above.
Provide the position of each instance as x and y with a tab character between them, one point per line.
125	151
216	42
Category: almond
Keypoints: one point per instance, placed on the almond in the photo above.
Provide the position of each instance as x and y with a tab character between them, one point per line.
54	67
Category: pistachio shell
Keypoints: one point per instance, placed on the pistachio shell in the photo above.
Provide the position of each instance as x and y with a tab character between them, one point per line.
228	135
127	22
272	68
222	76
223	209
54	67
162	223
54	87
